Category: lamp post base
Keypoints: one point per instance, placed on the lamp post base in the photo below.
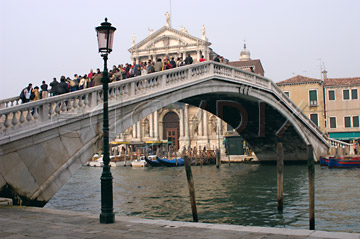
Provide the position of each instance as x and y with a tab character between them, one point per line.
107	218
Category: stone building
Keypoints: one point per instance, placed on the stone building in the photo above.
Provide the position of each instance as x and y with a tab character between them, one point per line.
307	94
168	42
180	123
342	107
332	104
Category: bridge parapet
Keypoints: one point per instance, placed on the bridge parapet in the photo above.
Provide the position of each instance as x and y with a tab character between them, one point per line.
9	102
339	147
16	118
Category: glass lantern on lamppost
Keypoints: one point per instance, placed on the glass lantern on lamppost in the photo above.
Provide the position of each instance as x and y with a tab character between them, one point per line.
105	35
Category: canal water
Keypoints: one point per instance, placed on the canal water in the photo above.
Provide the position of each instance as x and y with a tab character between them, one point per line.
242	194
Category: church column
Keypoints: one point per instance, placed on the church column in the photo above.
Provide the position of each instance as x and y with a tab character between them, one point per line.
186	125
205	120
138	126
156	125
200	123
151	122
219	126
134	131
198	55
181	123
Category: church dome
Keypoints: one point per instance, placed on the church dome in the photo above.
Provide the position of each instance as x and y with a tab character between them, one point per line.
244	54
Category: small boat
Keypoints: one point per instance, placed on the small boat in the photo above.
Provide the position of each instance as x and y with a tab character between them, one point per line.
139	163
340	162
96	163
152	161
172	162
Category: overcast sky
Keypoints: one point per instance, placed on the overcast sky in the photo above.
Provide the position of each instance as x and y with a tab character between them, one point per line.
42	39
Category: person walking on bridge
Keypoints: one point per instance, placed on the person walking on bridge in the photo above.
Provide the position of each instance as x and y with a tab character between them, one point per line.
188	60
62	87
53	85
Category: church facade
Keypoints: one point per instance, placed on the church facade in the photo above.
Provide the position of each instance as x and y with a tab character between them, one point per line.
182	124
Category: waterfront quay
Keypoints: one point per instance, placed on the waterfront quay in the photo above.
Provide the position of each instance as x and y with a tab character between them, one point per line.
29	222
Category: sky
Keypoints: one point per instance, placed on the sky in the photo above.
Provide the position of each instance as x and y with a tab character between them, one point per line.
42	39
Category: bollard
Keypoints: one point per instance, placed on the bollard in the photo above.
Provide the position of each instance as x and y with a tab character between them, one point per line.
311	171
190	181
280	177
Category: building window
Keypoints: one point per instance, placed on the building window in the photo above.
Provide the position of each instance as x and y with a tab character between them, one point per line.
314	118
287	93
354	94
356	121
346	95
331	95
313	97
333	122
347	121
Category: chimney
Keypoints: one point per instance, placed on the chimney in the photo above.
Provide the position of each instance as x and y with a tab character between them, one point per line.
324	74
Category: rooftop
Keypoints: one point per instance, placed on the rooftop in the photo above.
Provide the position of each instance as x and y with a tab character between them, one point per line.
342	81
299	80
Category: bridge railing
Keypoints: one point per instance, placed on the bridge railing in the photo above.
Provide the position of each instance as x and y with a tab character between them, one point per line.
9	102
19	117
297	111
271	87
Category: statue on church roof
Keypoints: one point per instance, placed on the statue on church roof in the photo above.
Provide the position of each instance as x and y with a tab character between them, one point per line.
151	31
167	19
133	40
203	33
183	29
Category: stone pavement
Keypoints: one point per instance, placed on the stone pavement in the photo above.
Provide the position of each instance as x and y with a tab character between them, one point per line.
26	222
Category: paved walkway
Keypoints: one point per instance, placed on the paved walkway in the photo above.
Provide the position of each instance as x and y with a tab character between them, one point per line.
27	222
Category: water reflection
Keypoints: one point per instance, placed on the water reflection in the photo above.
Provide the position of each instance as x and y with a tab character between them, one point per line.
235	194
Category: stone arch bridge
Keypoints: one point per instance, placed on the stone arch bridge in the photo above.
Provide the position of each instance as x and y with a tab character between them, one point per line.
43	143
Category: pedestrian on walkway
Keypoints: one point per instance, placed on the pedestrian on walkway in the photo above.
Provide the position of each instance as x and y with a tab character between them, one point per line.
188	60
44	90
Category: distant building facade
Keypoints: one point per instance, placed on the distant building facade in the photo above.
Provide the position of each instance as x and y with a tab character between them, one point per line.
307	94
333	103
342	107
182	124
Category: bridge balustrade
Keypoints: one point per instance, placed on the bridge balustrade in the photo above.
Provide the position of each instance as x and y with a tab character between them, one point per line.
17	117
9	102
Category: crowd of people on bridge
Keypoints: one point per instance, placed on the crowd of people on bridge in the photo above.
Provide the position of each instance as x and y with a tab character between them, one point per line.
120	72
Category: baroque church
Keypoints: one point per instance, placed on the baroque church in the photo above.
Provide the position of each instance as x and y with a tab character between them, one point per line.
181	124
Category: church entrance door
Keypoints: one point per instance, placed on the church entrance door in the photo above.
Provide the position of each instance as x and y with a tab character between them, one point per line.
171	128
172	135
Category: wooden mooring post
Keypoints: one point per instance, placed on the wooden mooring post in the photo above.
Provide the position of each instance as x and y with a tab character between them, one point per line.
190	181
311	172
218	160
280	177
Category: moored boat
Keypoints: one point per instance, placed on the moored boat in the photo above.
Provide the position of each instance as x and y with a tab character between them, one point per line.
139	163
152	161
172	162
340	162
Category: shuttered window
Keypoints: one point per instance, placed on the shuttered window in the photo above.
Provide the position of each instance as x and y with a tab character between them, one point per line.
313	97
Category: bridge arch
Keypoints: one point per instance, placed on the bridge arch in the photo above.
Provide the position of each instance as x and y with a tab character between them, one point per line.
41	151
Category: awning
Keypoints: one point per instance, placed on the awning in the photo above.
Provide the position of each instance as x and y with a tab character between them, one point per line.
345	135
119	142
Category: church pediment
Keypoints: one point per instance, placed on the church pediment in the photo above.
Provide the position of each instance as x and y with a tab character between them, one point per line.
168	37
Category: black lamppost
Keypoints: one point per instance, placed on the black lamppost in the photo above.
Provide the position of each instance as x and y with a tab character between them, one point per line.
105	35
